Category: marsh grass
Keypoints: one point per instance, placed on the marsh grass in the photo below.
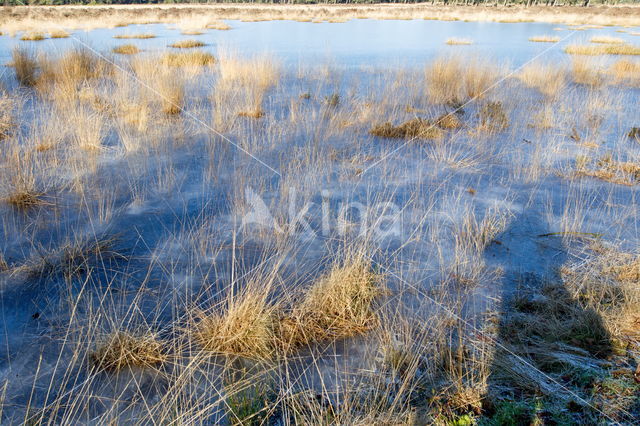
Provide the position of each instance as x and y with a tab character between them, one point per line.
586	72
606	40
545	39
187	44
121	350
340	304
416	128
219	25
453	80
245	327
605	49
59	34
550	80
25	66
195	58
138	36
608	169
458	41
126	49
33	36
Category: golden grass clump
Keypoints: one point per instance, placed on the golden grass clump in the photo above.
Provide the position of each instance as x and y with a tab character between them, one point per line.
609	170
196	58
123	349
187	44
458	41
625	70
218	25
586	72
24	199
606	40
126	49
33	36
545	39
25	65
416	128
339	305
171	92
7	121
604	49
137	36
259	71
452	80
245	326
59	34
547	78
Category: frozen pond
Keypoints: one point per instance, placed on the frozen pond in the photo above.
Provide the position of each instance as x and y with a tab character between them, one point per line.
357	43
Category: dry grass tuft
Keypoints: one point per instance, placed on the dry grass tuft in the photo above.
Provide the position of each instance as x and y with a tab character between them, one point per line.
609	170
126	49
547	78
458	41
219	25
586	72
605	49
448	121
545	39
493	117
195	58
606	40
192	32
187	44
626	71
634	133
452	80
122	349
338	305
24	199
416	128
59	34
33	36
25	65
7	121
138	36
245	326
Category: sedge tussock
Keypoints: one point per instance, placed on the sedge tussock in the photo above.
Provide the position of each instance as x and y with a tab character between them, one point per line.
187	44
196	58
126	49
586	72
245	326
458	41
609	170
416	128
604	49
25	66
218	25
7	121
33	36
141	36
545	39
125	350
24	199
59	34
340	304
547	78
606	40
453	80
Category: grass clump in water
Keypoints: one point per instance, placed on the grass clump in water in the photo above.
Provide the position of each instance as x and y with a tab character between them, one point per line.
138	36
122	349
59	34
545	39
33	36
416	128
245	326
25	65
604	49
187	44
458	41
183	59
126	49
339	305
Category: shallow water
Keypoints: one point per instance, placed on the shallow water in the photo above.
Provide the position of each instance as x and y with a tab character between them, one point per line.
353	44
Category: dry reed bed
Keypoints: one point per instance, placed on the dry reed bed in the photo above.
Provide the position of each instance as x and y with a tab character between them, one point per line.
221	325
38	17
